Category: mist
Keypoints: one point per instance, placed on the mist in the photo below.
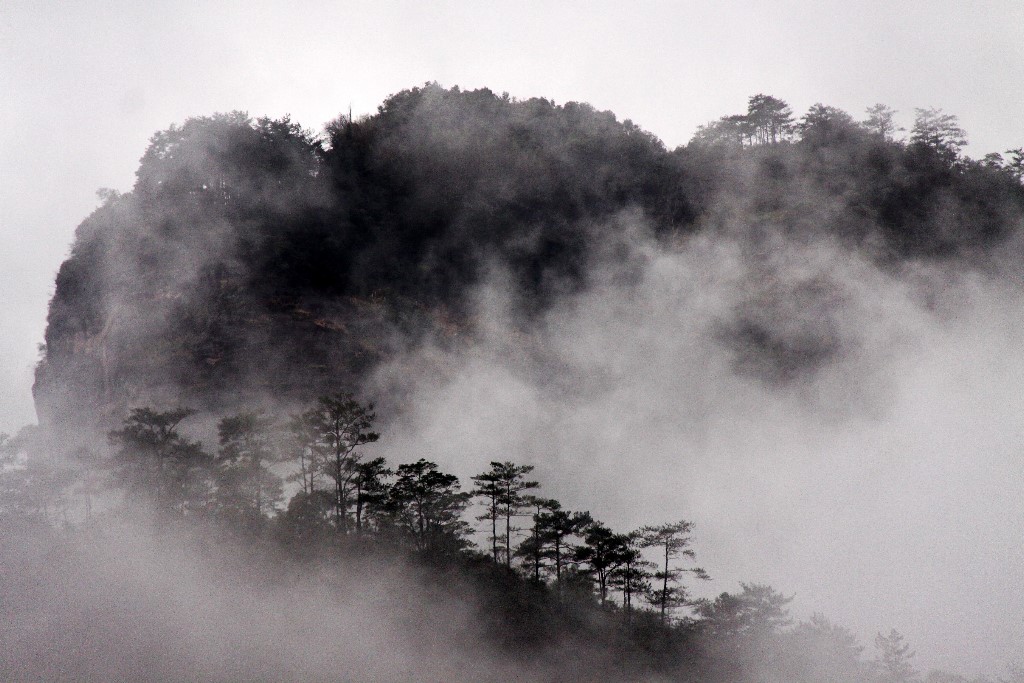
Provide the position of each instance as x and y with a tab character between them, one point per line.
807	347
876	480
119	604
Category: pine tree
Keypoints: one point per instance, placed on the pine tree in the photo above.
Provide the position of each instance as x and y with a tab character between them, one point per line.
894	657
670	541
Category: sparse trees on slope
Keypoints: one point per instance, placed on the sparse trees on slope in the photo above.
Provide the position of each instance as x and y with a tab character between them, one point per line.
556	527
633	576
768	121
489	489
532	550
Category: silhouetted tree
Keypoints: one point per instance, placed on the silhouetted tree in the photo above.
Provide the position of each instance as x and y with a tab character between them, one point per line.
342	425
488	487
371	490
425	505
824	125
758	611
555	528
770	118
633	576
1015	163
502	488
729	131
670	541
304	442
603	552
532	549
307	515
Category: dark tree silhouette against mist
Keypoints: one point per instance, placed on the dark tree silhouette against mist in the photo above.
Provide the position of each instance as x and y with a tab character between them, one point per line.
670	541
426	505
342	425
555	528
633	576
502	488
532	550
304	443
488	488
742	636
757	611
371	490
823	125
770	119
1015	163
603	551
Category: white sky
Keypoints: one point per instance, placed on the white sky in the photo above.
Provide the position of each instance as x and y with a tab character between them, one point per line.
83	85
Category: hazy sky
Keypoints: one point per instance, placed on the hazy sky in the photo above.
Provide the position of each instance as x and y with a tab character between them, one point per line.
86	83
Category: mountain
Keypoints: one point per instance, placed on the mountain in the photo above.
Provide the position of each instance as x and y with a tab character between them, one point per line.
257	261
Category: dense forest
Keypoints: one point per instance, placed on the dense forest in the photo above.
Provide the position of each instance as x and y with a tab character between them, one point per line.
272	279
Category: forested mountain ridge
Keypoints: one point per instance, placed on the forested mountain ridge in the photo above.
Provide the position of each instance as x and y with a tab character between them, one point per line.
256	257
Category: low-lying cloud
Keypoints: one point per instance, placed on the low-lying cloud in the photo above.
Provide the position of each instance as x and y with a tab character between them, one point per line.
846	433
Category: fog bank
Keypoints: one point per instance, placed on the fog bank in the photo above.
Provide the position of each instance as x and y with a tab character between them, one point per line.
846	433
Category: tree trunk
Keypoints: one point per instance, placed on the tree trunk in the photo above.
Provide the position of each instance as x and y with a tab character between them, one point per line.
664	587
